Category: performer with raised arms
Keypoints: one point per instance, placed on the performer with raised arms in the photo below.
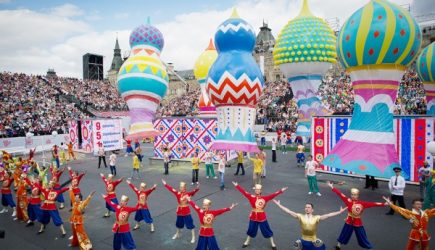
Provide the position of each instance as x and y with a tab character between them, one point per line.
75	182
110	192
419	220
183	211
49	209
34	207
142	200
258	215
121	228
308	223
79	236
56	173
355	208
206	216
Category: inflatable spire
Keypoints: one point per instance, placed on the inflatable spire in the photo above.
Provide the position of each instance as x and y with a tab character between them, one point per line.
426	71
375	45
305	50
234	85
202	66
143	80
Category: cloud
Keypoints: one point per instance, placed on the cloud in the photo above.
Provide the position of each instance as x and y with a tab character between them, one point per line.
5	1
67	10
121	16
58	39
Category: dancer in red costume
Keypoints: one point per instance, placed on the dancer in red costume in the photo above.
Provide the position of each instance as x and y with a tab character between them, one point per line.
355	208
258	215
110	192
142	201
183	211
206	216
418	237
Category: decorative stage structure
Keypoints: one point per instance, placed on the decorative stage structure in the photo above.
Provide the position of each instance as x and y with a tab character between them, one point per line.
304	51
184	136
375	45
143	80
411	135
201	68
426	70
234	85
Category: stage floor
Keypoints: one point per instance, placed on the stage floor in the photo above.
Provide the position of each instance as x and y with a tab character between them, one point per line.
384	232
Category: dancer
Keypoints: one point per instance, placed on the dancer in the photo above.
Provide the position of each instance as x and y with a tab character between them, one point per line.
136	167
71	154
31	154
121	228
258	165
209	170
183	211
129	148
206	217
310	173
300	155
110	191
22	201
62	153
55	154
240	159
221	170
42	174
75	182
355	208
79	236
258	215
34	206
195	168
429	199
308	223
142	202
49	209
419	220
55	177
7	199
263	157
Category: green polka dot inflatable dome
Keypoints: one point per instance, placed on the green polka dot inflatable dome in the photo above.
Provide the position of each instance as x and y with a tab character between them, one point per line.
306	38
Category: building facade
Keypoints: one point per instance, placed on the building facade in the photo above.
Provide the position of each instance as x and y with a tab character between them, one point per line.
116	64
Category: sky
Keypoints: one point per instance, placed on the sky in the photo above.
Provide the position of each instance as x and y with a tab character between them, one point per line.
40	34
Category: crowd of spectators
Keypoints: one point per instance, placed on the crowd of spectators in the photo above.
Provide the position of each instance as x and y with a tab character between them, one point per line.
99	95
183	105
30	103
41	105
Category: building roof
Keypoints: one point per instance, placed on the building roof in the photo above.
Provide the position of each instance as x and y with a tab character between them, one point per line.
265	39
117	58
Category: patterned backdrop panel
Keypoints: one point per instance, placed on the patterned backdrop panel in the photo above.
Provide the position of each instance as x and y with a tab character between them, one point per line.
411	133
73	133
171	136
87	143
184	136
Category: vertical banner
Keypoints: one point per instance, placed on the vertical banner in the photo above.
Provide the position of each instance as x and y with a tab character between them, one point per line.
87	140
261	61
73	133
107	133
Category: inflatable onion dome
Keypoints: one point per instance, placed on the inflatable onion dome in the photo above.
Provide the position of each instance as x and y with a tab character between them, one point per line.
147	34
426	64
235	34
380	33
204	62
306	38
